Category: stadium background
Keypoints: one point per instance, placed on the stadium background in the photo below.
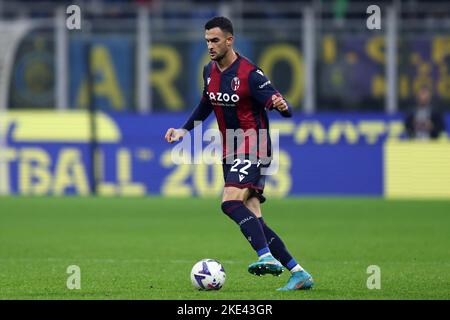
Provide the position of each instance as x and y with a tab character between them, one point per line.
84	112
146	57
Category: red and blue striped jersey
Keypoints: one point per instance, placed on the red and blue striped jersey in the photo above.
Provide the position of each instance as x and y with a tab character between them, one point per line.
239	97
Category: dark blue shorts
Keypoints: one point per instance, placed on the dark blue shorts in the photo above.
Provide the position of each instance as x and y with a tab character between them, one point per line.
245	174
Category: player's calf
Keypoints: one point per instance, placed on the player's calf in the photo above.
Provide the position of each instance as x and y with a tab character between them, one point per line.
248	223
253	232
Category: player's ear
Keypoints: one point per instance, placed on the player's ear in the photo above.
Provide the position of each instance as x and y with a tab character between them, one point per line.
229	40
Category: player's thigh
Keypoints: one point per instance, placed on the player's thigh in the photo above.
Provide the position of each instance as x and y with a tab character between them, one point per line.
254	206
234	193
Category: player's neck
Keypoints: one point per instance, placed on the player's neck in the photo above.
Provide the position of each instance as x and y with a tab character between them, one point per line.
227	61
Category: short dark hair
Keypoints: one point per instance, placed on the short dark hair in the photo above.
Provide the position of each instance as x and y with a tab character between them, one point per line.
221	22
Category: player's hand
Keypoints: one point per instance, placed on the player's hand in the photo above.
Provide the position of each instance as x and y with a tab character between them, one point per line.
279	103
173	134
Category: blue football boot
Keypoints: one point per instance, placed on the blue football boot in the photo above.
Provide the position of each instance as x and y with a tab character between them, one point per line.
266	265
300	280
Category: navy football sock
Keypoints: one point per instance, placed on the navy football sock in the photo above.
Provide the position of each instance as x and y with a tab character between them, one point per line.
277	247
249	224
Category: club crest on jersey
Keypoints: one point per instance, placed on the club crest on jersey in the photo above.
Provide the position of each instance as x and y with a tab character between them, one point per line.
235	83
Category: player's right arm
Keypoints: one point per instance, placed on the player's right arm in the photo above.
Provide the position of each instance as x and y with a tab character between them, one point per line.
200	113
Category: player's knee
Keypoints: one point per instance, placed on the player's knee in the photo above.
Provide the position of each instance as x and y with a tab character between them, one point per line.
229	206
224	207
254	206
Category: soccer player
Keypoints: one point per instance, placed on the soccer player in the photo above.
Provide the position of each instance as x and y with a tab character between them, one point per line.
239	94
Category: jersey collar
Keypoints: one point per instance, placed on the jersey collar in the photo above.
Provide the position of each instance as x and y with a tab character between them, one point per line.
230	66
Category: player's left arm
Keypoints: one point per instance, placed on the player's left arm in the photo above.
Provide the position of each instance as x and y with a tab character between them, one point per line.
263	91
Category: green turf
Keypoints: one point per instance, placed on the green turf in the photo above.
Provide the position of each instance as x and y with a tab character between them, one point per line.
144	248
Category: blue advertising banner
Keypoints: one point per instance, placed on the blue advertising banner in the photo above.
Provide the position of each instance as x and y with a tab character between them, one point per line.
49	153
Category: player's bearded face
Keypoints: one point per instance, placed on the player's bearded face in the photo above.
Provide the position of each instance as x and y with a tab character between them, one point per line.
218	43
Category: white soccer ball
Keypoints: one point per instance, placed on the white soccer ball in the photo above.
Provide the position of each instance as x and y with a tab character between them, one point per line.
208	274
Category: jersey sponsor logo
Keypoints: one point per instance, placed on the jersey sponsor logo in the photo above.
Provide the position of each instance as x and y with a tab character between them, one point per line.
264	84
235	83
241	177
222	97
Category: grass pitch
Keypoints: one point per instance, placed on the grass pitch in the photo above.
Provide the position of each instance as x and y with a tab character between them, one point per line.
144	248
